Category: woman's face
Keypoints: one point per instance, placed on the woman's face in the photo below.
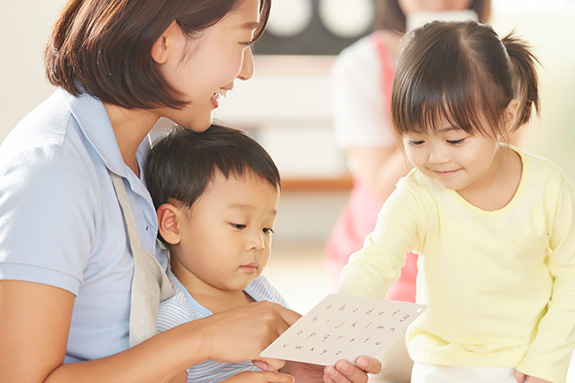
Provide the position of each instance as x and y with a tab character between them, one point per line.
424	6
204	68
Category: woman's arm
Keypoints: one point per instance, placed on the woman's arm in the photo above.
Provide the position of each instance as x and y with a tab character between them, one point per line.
35	321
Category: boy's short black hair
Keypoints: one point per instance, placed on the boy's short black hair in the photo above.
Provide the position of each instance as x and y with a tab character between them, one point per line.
182	164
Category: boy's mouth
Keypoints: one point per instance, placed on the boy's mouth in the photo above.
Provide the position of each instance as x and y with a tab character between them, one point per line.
250	268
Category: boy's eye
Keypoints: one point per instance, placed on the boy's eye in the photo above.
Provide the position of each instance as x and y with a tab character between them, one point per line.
237	226
415	142
268	230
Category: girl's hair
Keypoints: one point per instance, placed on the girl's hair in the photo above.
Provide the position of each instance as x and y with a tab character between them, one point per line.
389	16
182	164
462	72
103	47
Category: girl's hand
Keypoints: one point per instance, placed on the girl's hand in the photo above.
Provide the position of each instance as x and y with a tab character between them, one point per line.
342	372
346	372
522	378
260	377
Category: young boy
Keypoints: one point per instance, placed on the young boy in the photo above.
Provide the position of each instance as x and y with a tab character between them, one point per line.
216	195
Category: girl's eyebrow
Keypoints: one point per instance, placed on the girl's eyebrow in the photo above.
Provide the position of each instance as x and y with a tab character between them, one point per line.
448	129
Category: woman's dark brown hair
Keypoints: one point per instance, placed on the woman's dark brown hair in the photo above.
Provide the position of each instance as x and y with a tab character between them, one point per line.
103	47
463	73
389	16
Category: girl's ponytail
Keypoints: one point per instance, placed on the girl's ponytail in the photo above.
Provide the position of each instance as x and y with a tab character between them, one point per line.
524	67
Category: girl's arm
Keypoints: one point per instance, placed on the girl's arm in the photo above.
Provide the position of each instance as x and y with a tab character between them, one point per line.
35	321
371	270
549	353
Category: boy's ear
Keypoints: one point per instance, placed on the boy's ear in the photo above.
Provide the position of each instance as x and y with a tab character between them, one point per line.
161	49
168	223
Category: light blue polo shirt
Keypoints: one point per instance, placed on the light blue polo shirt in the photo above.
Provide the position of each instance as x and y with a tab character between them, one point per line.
60	221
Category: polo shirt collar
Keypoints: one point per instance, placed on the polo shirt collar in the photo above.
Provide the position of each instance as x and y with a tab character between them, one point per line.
95	124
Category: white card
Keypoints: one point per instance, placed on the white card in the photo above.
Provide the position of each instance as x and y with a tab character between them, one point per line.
343	327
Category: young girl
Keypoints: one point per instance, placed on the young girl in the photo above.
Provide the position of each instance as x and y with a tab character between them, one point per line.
494	225
66	262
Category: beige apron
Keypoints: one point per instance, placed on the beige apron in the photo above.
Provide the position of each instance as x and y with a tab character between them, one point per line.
150	285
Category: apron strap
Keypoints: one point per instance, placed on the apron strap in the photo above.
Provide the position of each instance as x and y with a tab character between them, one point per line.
150	284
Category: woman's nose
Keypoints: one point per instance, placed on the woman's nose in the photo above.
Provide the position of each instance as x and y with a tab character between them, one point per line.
247	70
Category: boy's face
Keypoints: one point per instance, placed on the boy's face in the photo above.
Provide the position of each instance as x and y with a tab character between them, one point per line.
225	238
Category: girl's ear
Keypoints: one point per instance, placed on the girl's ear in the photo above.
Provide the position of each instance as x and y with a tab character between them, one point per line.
168	223
163	46
510	115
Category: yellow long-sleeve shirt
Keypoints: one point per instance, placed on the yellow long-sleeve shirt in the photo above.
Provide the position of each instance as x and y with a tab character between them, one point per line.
500	285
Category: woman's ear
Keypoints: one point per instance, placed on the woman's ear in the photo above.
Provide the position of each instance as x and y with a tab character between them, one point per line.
164	45
168	223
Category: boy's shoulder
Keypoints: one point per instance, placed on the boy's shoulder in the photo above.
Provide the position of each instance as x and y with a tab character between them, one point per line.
262	290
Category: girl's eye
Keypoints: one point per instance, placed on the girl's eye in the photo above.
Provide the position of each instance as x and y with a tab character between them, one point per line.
237	226
416	142
268	230
248	44
455	142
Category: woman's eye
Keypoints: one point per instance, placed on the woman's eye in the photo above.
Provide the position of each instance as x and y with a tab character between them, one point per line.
268	230
238	226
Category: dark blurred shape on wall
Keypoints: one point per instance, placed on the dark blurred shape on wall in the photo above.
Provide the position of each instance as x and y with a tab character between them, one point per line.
315	27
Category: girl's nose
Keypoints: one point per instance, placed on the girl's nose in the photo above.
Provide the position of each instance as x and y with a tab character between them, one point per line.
438	155
247	70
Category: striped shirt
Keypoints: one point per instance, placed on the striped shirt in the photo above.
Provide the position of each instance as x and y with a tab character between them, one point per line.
182	308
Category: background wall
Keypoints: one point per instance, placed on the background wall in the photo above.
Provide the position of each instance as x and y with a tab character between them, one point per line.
286	105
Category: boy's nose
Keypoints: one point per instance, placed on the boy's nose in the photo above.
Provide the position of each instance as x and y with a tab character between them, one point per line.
256	242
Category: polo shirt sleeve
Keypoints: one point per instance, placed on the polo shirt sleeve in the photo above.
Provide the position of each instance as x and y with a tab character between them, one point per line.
46	219
549	354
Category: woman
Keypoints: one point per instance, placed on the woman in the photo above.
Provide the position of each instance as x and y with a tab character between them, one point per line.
65	264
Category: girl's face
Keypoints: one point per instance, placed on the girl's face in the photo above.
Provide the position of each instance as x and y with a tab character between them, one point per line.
457	160
225	238
204	68
424	6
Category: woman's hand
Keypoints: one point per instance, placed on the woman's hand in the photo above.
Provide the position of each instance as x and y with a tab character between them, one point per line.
522	378
342	372
244	332
260	377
